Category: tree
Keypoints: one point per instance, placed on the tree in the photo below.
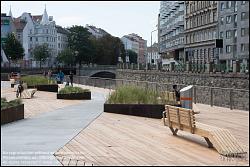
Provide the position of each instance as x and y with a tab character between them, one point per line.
132	56
79	40
13	48
66	57
41	53
108	49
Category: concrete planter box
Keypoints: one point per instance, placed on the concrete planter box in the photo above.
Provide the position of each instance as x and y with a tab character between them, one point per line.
47	88
12	114
75	96
143	110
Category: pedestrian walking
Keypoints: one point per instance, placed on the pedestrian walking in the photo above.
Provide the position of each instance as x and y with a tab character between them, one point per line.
49	75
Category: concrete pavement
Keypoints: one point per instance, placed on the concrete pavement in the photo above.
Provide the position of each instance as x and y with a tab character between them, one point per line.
34	141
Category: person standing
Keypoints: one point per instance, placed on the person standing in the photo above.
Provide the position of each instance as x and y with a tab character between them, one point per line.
49	75
71	78
61	76
177	93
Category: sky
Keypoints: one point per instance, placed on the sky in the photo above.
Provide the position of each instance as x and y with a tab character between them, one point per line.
116	17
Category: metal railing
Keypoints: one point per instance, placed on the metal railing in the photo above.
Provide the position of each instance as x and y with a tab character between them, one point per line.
214	96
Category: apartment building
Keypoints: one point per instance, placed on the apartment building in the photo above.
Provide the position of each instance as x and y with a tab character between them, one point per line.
171	30
234	30
200	28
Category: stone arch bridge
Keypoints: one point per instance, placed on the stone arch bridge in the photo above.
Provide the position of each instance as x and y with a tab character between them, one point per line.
98	71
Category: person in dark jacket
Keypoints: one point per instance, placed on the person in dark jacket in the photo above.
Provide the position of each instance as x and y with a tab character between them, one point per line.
71	78
177	93
19	89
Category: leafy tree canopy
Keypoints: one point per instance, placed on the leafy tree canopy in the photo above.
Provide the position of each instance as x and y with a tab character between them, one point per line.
41	53
13	48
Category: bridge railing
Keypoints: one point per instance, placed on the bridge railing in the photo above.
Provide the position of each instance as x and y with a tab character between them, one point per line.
214	96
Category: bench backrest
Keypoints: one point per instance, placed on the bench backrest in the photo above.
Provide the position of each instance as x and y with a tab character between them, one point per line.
182	117
169	96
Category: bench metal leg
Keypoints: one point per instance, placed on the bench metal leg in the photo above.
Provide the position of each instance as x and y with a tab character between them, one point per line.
210	145
174	131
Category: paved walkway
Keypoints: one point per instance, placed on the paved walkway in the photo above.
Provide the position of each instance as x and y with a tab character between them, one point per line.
34	141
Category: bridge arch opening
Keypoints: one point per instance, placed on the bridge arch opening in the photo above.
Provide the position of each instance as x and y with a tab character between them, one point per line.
104	74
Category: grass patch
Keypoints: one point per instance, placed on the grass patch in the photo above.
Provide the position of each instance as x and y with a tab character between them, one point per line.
5	104
71	89
37	80
133	95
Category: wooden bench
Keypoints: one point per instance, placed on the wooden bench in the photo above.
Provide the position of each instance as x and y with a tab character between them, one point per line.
222	140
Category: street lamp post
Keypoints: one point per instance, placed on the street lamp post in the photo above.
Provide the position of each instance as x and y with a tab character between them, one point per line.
76	53
151	49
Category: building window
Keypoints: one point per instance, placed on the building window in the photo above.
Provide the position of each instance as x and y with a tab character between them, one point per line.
30	31
221	35
47	31
36	39
235	33
229	4
228	48
221	20
47	39
242	47
243	16
235	18
222	6
243	2
30	38
228	34
214	16
228	19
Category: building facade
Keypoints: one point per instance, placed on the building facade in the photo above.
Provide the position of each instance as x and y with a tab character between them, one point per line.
97	32
233	24
34	30
200	28
62	39
171	30
153	56
137	44
7	26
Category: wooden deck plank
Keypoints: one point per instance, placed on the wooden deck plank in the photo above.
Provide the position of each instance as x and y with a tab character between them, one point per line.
142	141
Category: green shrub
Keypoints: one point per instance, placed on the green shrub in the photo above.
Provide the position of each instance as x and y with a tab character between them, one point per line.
133	95
36	80
12	103
71	89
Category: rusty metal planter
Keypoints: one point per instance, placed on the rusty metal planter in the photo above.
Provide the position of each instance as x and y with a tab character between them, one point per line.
75	96
143	110
12	114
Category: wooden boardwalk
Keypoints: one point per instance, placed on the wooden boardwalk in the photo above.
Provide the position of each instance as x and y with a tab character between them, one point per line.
114	139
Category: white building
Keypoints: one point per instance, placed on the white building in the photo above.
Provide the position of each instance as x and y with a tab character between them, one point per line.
62	39
153	55
137	44
37	30
97	32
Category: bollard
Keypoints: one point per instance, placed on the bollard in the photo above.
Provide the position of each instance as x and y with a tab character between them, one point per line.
211	97
231	99
194	94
